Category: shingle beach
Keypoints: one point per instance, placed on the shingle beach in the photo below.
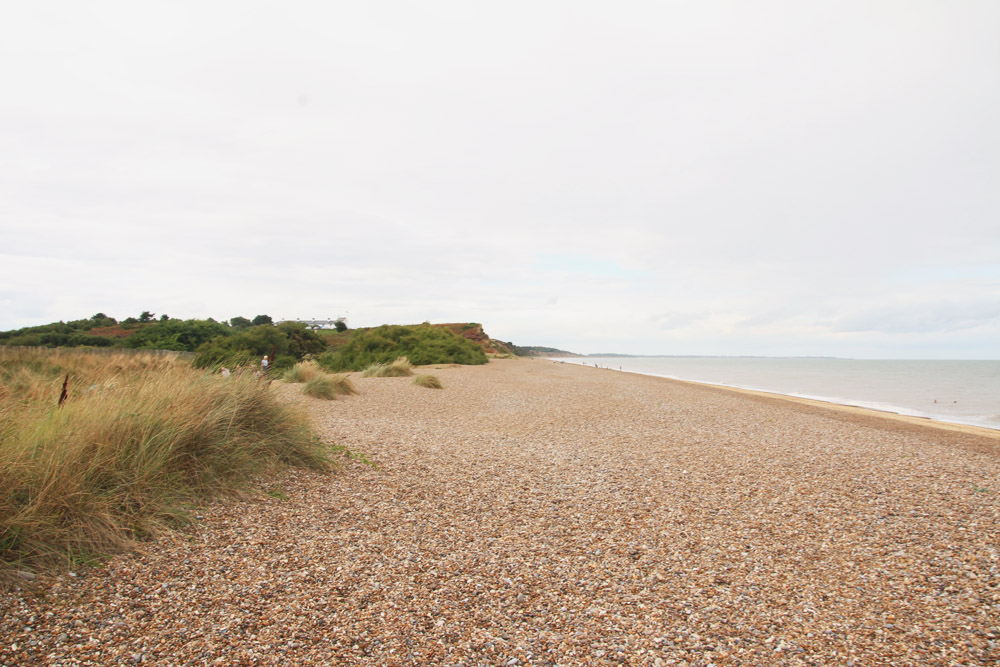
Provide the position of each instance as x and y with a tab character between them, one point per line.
537	513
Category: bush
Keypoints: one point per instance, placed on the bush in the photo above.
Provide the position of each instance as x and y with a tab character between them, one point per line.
29	340
429	381
401	367
282	363
178	335
290	339
86	340
329	386
423	344
57	334
140	438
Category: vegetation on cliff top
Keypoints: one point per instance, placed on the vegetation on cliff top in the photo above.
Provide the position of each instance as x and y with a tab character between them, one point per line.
242	341
539	351
421	344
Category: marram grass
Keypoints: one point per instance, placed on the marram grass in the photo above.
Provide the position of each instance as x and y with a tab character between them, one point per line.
427	380
140	439
329	386
304	371
401	367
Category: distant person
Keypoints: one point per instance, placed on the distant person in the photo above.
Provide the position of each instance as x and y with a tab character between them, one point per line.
263	365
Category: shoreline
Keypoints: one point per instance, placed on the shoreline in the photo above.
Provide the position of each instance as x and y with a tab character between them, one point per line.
543	514
930	422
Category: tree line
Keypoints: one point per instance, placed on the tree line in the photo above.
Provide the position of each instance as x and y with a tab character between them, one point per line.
242	341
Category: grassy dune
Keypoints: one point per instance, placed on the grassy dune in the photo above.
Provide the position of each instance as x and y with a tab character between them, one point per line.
139	440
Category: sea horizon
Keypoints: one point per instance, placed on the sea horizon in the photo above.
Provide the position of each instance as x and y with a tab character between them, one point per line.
956	391
758	356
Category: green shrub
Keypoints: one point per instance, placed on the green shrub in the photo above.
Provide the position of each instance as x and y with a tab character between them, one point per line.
291	340
282	363
179	335
86	340
422	345
30	340
429	381
329	386
58	333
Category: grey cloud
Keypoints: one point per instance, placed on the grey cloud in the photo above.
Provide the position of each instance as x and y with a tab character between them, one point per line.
921	318
675	320
709	164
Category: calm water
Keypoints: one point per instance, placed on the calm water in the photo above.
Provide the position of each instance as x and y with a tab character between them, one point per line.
963	392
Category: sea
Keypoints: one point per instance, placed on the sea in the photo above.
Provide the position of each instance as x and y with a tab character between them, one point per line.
959	392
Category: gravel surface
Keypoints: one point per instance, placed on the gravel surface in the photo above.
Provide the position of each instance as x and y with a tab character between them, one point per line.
536	513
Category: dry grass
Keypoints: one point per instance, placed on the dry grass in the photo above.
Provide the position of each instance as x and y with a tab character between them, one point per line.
329	386
139	440
401	367
304	371
427	380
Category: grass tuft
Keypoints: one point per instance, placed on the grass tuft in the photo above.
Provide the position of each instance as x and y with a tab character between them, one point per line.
329	386
401	367
140	439
429	381
304	371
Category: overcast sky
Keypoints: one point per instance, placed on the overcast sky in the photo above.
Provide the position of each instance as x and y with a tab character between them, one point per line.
776	178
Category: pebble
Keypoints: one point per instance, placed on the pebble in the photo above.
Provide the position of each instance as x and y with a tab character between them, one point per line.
838	537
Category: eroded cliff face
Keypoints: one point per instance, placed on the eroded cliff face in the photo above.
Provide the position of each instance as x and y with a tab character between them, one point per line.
474	331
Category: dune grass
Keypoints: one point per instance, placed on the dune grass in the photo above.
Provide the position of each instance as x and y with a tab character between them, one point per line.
427	380
329	386
304	371
139	441
401	367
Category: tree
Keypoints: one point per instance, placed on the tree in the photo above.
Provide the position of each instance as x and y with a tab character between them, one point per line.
262	319
146	316
301	339
339	324
240	323
164	318
102	320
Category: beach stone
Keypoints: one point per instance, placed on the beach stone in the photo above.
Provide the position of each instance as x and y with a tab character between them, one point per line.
536	512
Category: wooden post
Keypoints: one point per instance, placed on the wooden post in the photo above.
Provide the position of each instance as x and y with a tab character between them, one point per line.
65	392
